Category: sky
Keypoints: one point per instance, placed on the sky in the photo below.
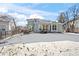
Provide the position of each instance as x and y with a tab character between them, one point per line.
23	11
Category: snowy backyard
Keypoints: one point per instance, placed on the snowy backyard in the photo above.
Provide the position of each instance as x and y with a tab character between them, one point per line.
49	44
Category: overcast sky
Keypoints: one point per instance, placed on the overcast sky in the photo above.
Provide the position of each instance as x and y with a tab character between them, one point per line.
22	11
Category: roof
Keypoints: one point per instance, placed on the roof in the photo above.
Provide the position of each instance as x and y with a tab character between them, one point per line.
7	18
71	20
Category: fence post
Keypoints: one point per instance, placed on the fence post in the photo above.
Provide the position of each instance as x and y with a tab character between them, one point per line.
5	34
0	35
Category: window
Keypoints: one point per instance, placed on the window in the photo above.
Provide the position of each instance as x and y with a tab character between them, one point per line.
3	29
54	27
45	27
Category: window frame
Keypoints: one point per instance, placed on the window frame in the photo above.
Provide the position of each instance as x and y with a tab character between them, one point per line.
54	27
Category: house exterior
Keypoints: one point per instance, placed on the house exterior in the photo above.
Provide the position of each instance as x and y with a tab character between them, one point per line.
72	26
37	25
6	23
76	26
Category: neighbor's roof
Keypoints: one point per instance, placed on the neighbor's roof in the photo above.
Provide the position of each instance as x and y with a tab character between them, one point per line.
5	17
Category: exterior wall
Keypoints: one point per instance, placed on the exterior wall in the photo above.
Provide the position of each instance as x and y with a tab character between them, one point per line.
76	26
4	25
37	24
11	26
54	23
30	24
46	23
72	26
67	27
59	27
8	26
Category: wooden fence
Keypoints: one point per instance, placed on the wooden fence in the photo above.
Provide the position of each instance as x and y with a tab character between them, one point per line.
4	34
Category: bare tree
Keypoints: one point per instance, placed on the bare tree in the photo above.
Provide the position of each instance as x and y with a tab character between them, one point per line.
61	17
71	14
74	12
67	16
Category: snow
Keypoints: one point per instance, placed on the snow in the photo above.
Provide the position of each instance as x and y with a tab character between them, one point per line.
34	44
58	48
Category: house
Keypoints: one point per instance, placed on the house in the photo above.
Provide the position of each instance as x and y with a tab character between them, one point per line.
72	26
38	25
6	23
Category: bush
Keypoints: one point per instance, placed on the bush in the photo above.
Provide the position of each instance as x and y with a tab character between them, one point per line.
26	31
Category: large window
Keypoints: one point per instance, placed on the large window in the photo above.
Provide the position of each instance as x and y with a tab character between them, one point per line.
44	27
54	27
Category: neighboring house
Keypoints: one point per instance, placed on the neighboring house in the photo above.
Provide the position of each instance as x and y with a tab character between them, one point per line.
37	25
76	26
72	26
6	23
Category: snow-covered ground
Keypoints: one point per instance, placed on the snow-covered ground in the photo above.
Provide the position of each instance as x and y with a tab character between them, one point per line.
41	44
59	48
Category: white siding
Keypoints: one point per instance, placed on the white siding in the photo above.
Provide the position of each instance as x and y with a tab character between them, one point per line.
77	24
39	22
4	25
